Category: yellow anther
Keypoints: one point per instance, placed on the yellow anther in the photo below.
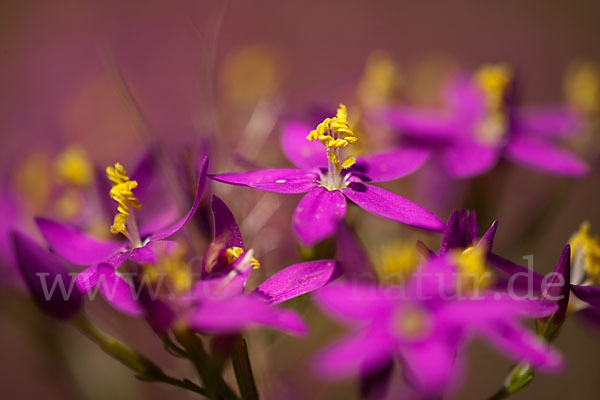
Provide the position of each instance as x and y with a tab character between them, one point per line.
73	166
348	162
396	261
494	80
233	253
473	271
582	87
412	322
380	82
174	267
121	192
588	247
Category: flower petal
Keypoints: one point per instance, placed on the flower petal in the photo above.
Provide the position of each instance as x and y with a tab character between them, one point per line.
390	165
392	206
299	150
466	159
460	231
352	256
115	290
520	344
285	180
179	224
431	365
226	227
152	251
47	278
318	214
544	156
237	313
364	351
355	301
547	121
423	124
590	294
298	279
76	247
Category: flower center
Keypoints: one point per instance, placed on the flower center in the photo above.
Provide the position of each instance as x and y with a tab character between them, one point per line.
412	323
72	166
473	272
174	267
233	253
380	81
396	261
582	87
585	255
494	81
121	192
335	134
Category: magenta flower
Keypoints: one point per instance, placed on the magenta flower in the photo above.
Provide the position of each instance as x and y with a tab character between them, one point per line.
425	325
327	180
480	125
218	303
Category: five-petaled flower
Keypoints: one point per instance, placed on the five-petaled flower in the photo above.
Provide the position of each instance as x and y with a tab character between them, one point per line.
327	179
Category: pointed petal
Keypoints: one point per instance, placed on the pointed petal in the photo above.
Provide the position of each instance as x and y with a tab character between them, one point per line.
153	251
467	159
199	190
390	165
363	351
235	314
423	124
318	214
487	239
458	233
47	278
74	246
544	156
352	256
355	301
299	150
298	279
520	276
590	294
392	206
521	345
547	121
118	292
285	180
431	365
558	286
225	225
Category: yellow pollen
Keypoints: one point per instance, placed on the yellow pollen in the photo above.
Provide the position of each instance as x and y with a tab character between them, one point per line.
494	81
174	268
396	261
412	323
233	253
380	82
73	166
473	271
335	133
588	247
121	192
582	87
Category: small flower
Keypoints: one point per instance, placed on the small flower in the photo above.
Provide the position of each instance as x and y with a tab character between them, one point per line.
426	327
481	125
328	178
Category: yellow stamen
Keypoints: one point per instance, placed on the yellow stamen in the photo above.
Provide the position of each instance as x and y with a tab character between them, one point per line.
587	248
472	265
582	87
121	192
396	261
380	81
32	180
233	253
73	166
174	267
494	81
412	322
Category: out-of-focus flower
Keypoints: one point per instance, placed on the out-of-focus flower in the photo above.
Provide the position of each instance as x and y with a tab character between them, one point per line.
329	180
47	278
143	242
481	125
218	302
426	325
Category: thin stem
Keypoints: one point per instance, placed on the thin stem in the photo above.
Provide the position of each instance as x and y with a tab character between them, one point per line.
243	370
145	369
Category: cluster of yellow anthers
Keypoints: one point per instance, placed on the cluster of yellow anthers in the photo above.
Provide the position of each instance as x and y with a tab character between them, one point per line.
380	81
588	247
582	87
335	134
233	253
73	166
121	192
396	261
474	275
494	80
174	267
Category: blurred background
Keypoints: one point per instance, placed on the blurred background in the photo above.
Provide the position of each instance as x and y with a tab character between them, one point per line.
220	77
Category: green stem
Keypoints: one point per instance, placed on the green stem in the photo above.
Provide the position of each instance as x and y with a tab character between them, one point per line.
243	370
216	387
517	379
145	369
